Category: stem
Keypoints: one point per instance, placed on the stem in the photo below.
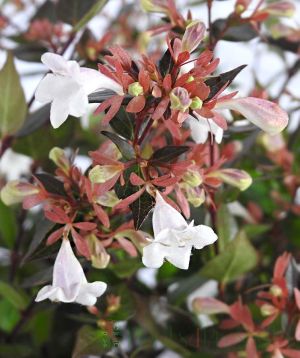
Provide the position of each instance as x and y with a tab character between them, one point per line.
145	132
212	208
210	40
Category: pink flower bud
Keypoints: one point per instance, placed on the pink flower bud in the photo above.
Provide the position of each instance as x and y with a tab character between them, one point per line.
235	177
193	35
265	114
180	99
209	305
280	9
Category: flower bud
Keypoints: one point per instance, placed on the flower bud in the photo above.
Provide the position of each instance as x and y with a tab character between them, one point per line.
280	9
209	305
193	35
265	114
192	178
153	6
235	177
180	99
196	103
100	258
267	309
135	89
14	192
190	79
57	155
102	173
276	291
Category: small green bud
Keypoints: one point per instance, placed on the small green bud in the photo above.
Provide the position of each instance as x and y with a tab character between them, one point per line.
135	89
196	103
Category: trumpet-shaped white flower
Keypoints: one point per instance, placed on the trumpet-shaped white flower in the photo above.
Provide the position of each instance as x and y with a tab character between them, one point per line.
69	282
264	114
68	86
201	127
174	238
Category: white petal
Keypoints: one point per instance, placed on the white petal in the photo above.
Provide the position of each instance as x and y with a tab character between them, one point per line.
93	80
88	293
179	256
67	271
199	129
216	130
59	112
78	104
153	255
166	217
265	114
57	294
45	91
201	236
55	63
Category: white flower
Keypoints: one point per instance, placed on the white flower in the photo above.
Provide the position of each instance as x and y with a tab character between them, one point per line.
201	127
174	238
69	282
264	114
68	87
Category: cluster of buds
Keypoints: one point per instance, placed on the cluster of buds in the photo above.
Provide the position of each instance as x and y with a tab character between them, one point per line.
52	35
158	157
278	301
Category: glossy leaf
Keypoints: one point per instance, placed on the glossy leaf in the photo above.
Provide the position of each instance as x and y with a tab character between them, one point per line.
123	123
239	258
13	106
235	32
78	12
51	184
168	153
218	82
17	299
124	147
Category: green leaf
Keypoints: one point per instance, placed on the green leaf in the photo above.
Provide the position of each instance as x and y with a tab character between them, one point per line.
13	106
126	268
51	184
143	205
94	10
218	82
238	258
16	350
9	316
236	32
226	227
168	153
123	123
18	300
141	209
41	230
34	121
78	12
124	147
8	225
91	341
30	52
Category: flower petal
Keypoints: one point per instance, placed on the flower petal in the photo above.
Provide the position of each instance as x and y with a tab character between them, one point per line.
93	80
201	236
88	293
166	217
265	114
153	255
179	256
55	63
